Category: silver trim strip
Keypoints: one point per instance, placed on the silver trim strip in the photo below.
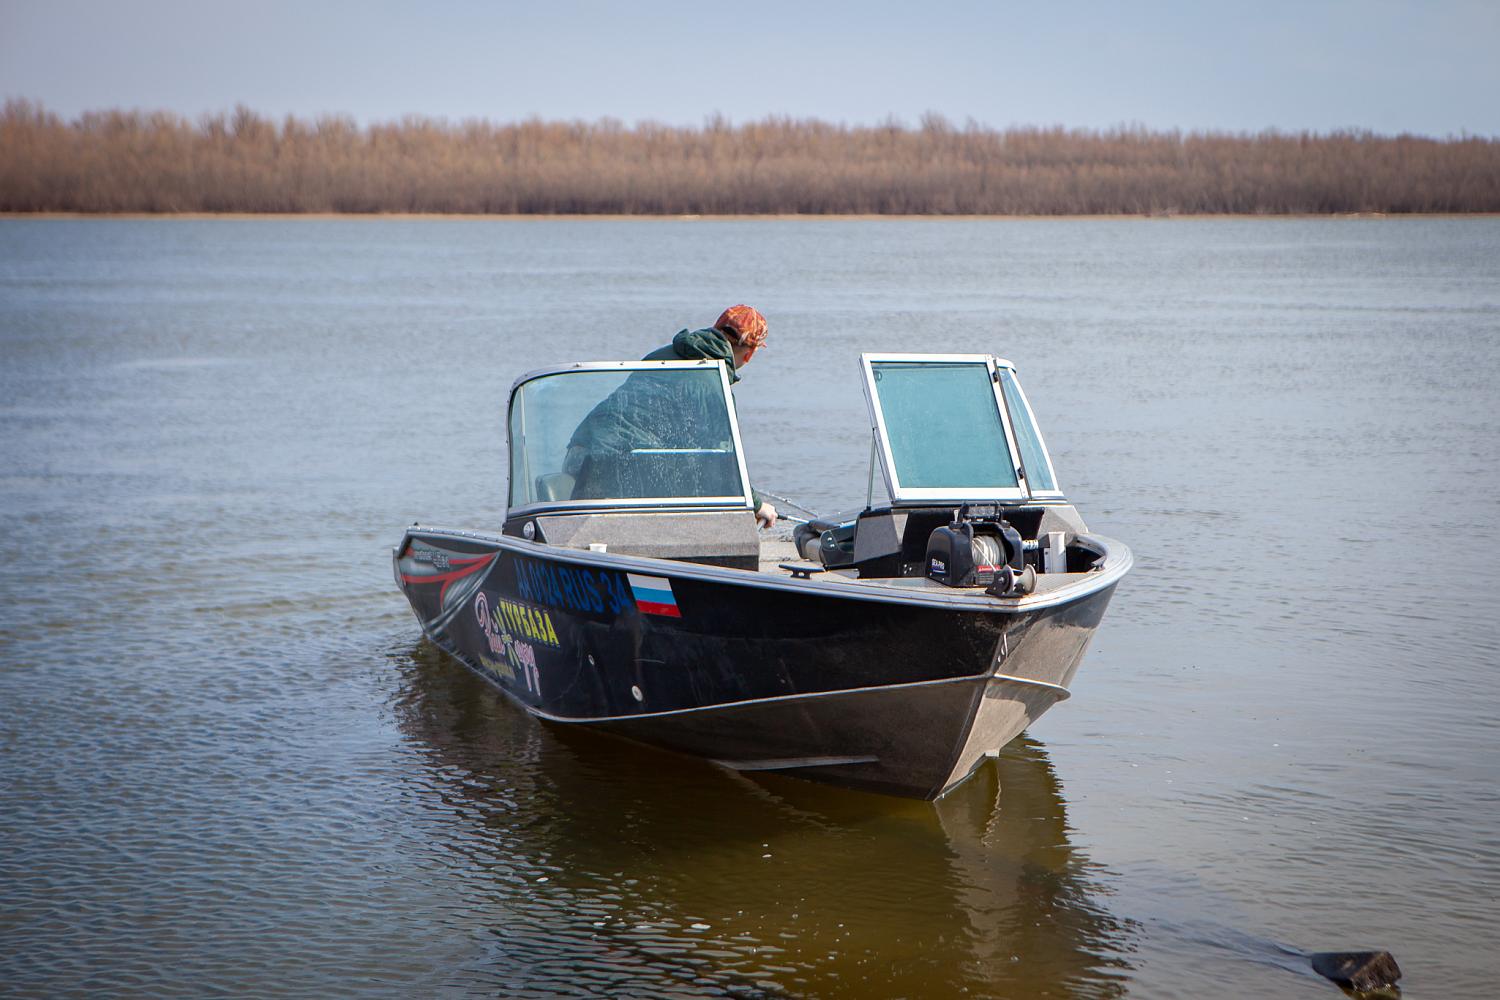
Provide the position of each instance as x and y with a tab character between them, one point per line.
965	358
782	763
1063	693
607	366
805	696
674	504
532	710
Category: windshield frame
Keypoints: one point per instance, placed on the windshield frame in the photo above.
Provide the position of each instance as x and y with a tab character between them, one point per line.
908	495
1056	493
731	502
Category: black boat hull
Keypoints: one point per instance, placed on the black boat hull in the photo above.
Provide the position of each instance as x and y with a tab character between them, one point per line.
858	686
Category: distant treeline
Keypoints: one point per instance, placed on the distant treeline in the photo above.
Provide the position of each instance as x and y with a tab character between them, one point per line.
118	161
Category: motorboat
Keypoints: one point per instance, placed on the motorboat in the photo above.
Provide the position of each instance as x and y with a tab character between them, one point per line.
892	649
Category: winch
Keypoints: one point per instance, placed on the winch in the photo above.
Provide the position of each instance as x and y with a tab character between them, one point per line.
980	549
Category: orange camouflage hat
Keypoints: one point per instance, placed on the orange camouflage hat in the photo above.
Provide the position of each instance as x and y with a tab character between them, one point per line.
746	325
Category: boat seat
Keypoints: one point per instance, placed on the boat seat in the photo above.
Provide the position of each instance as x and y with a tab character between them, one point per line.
554	486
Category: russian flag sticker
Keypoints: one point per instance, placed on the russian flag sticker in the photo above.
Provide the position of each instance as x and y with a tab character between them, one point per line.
653	595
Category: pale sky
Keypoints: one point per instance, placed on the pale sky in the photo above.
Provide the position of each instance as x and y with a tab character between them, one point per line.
1431	68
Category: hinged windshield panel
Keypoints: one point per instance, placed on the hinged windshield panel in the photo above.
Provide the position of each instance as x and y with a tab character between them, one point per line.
1040	479
651	433
942	429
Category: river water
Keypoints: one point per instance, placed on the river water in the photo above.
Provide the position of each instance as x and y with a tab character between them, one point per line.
230	765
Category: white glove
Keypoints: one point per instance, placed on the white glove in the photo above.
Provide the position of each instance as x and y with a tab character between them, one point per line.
766	515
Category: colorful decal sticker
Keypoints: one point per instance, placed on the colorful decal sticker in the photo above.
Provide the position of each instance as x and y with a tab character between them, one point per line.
514	618
422	563
504	625
499	668
571	588
653	595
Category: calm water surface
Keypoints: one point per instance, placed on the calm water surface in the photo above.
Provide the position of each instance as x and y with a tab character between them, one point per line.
229	764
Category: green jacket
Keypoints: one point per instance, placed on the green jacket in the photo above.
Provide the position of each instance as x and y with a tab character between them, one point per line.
691	345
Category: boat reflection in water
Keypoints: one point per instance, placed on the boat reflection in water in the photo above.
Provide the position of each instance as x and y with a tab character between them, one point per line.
587	864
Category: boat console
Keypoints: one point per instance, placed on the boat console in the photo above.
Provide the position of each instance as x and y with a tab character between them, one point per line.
710	538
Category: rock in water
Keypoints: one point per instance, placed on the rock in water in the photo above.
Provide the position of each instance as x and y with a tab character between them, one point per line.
1358	970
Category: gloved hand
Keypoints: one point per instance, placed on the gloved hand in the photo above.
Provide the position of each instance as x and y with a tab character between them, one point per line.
765	514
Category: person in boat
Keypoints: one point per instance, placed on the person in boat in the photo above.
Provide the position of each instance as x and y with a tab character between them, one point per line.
630	417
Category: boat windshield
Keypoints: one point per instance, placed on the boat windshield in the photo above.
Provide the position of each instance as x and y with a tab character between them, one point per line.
1034	457
626	434
954	427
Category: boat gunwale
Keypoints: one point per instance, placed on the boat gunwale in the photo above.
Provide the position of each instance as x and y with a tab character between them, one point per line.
1116	563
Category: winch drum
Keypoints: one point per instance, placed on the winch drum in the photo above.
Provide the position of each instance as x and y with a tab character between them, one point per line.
971	554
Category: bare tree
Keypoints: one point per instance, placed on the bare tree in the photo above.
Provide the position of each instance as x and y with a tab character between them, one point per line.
119	161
